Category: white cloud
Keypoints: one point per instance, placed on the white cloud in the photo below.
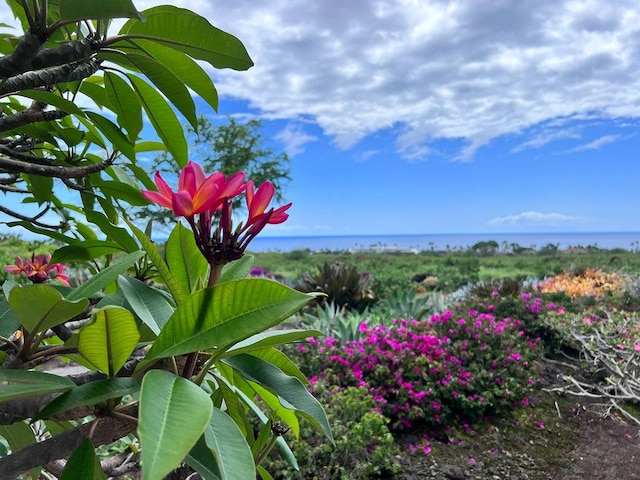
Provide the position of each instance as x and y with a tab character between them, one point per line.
534	218
294	138
547	136
597	143
441	69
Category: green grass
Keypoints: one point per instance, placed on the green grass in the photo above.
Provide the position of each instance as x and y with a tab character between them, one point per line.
451	269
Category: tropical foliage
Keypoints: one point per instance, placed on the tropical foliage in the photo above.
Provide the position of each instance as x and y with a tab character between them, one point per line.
175	347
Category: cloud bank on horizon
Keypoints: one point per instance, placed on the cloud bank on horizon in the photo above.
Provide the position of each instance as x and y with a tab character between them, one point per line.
470	71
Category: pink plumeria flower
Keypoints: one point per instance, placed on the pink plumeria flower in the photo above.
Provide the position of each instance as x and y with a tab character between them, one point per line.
258	201
196	192
39	270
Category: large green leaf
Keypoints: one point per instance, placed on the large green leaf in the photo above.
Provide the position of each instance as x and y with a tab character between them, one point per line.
237	269
192	34
40	307
280	360
189	72
108	340
167	81
125	103
292	393
231	450
163	119
186	262
105	276
53	100
157	260
91	393
17	435
82	9
113	133
114	233
20	383
272	338
221	316
148	303
202	460
174	413
9	321
83	463
121	191
87	250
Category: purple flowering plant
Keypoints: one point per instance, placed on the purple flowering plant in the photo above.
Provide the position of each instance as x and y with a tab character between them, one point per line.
434	373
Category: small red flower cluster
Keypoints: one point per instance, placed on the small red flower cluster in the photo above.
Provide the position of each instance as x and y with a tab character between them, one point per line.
39	269
210	199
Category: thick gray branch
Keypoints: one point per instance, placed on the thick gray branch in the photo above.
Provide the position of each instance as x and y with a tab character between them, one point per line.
29	56
20	59
42	78
27	117
107	430
54	171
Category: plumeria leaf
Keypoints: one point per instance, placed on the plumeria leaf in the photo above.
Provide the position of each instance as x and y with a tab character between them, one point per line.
18	435
85	251
91	393
9	321
237	269
292	393
163	118
83	463
188	70
20	384
230	448
149	304
186	262
105	276
164	79
174	413
113	133
220	316
40	307
203	461
109	339
192	34
125	103
81	9
163	269
272	338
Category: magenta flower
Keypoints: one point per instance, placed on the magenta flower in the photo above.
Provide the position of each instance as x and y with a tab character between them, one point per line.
206	202
196	192
38	269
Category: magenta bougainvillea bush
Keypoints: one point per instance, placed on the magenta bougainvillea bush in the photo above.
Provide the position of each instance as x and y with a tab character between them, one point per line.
429	374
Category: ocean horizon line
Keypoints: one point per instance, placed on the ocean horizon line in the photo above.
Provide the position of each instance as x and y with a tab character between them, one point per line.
444	241
350	235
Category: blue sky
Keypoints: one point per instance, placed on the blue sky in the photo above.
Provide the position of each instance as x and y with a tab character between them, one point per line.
438	116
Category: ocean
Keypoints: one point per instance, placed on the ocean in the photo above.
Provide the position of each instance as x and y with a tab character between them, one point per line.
458	241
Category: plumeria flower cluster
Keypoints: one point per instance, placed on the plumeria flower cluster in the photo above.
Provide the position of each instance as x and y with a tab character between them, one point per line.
39	269
205	202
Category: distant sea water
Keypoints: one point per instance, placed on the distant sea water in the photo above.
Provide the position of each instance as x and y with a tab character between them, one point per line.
626	240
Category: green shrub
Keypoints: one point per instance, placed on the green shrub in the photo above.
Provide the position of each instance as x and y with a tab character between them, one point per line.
342	283
364	446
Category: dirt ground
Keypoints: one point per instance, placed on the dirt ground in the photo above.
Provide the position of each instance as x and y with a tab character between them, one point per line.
562	437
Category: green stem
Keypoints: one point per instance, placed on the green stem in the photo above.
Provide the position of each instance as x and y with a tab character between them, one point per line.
190	365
